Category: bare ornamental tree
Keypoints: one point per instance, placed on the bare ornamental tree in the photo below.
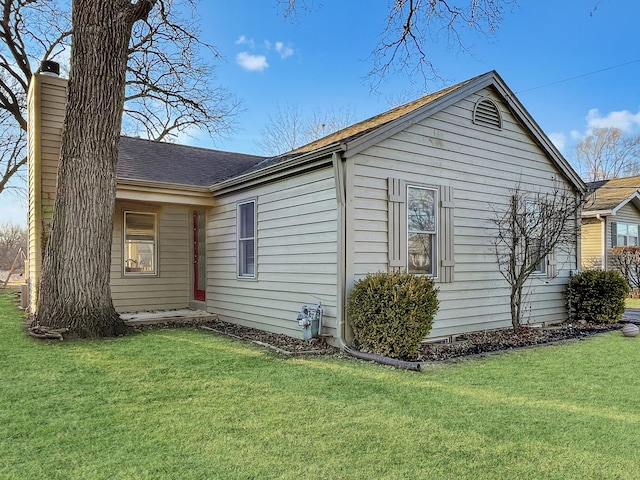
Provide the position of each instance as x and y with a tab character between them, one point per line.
627	261
533	227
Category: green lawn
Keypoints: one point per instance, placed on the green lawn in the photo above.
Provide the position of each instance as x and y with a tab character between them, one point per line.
185	404
632	302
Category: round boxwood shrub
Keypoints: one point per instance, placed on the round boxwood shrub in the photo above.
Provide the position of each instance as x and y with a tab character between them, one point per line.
597	296
391	313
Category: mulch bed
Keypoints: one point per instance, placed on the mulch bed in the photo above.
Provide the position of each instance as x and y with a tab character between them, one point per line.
467	345
491	341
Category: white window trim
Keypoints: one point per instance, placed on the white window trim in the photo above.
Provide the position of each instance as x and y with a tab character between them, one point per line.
155	271
239	273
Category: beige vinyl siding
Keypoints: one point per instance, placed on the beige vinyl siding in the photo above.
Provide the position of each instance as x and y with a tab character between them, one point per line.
296	258
171	287
481	165
592	238
46	105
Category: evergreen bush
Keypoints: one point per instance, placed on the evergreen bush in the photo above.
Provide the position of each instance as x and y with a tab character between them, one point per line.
597	296
391	313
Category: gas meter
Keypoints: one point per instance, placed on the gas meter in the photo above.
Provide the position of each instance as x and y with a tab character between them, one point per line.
310	319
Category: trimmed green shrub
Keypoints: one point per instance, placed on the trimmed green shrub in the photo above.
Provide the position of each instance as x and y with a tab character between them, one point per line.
597	296
391	313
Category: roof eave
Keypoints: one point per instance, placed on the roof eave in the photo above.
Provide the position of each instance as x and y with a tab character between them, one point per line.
161	192
595	213
276	170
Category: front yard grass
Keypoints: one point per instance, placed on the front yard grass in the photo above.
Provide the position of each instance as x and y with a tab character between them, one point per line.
632	302
184	404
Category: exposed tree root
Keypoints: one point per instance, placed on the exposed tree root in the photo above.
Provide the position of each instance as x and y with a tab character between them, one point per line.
42	332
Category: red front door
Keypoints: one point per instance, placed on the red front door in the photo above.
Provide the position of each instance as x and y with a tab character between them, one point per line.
199	256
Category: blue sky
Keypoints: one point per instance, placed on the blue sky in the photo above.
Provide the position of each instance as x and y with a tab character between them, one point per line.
574	64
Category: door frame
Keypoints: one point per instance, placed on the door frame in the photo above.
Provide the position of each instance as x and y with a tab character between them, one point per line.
198	256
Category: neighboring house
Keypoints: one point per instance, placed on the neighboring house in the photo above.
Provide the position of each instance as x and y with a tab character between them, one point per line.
610	218
252	239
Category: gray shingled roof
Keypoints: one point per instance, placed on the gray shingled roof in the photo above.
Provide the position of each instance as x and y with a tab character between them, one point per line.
608	194
149	161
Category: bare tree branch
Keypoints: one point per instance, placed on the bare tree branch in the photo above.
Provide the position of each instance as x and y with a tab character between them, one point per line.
170	82
607	153
290	127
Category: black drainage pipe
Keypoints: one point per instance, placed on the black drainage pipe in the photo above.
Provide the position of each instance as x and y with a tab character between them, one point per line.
394	362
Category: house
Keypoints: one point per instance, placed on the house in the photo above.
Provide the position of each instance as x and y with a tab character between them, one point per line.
253	239
610	218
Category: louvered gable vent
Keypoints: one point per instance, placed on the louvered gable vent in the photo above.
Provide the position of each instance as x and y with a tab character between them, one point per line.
486	113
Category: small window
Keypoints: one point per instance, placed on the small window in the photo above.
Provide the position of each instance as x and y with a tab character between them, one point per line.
140	243
624	234
487	114
533	230
421	230
535	249
246	218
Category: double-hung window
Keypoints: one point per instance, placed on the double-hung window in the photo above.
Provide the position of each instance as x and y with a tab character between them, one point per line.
532	233
422	230
624	234
140	243
246	232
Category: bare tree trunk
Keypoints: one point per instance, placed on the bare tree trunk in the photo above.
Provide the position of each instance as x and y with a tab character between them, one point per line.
74	291
516	305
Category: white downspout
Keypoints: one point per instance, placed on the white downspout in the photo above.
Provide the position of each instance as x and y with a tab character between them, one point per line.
605	257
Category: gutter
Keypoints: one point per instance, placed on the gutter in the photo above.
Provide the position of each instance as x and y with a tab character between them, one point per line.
596	214
259	175
121	182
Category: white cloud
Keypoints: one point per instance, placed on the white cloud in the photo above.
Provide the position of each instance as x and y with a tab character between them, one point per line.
252	63
243	40
624	120
257	62
283	51
559	140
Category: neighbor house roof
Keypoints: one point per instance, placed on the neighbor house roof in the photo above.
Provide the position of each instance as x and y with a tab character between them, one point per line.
607	196
161	162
